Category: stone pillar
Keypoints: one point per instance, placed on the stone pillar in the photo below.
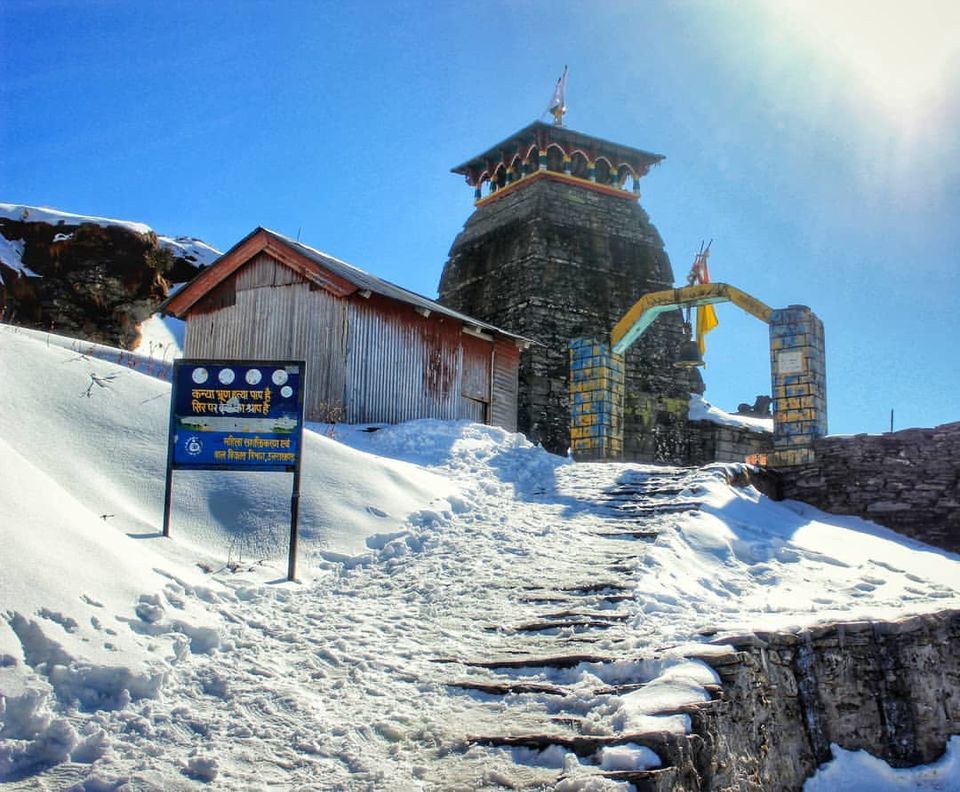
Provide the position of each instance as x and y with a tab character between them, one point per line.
596	400
798	372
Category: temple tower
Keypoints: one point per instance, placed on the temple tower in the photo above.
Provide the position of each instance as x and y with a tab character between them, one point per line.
557	248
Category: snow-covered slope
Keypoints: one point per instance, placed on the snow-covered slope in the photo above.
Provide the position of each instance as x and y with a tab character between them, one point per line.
432	552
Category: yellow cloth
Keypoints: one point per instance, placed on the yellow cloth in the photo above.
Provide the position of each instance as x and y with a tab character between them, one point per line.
706	321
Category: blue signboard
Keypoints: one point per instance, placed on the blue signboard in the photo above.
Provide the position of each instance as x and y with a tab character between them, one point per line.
234	414
237	415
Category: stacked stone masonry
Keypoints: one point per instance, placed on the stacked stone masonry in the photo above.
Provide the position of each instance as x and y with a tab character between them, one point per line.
798	373
908	481
889	688
596	399
553	261
711	442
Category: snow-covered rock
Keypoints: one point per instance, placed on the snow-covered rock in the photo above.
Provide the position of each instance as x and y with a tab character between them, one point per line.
91	277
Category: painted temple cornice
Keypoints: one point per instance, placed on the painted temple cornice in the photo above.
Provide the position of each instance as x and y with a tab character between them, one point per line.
546	151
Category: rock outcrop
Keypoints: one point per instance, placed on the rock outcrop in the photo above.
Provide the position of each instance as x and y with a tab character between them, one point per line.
88	278
889	688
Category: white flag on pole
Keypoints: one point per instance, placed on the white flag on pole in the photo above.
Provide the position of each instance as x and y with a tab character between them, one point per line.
558	105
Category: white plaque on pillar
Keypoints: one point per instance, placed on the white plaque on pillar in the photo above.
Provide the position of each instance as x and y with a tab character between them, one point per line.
790	362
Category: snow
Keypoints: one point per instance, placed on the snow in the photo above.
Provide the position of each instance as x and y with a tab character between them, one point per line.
44	214
11	254
430	552
190	248
161	337
628	756
702	410
858	771
675	686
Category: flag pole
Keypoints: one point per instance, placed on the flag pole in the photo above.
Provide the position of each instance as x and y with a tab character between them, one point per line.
558	104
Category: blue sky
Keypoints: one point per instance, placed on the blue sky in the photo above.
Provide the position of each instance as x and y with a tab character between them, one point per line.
814	142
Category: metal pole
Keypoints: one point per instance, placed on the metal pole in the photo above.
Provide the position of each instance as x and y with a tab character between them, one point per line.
167	499
295	497
294	518
168	486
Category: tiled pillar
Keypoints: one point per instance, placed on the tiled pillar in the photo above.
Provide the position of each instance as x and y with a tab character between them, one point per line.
596	400
798	371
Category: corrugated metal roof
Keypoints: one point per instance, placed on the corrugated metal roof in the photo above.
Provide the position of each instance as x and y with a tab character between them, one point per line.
364	280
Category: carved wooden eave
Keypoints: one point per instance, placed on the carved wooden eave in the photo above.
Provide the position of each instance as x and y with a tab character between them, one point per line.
527	144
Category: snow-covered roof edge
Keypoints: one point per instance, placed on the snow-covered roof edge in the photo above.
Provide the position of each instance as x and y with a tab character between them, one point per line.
339	276
365	280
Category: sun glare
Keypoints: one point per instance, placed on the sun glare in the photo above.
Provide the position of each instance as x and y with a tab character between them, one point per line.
901	55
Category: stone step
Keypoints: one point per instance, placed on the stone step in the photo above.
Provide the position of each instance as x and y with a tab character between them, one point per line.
640	533
603	615
599	587
633	509
581	624
505	688
667	745
545	661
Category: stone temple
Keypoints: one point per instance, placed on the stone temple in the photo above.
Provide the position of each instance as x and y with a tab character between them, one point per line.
558	247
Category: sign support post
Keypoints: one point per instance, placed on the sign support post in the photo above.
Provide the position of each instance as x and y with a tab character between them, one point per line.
294	521
167	499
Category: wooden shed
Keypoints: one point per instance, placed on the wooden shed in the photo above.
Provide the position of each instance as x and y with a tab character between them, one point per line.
375	352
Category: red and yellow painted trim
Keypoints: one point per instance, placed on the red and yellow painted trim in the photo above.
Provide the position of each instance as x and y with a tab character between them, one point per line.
615	192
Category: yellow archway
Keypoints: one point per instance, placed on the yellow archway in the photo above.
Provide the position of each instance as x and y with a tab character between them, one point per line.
798	373
641	315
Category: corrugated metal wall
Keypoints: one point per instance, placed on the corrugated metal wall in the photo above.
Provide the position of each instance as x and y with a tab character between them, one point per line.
475	382
400	366
368	360
278	316
506	365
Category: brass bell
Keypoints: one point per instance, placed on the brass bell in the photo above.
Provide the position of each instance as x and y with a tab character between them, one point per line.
689	354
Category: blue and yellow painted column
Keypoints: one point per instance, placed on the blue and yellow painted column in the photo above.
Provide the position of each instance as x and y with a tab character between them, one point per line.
596	400
798	372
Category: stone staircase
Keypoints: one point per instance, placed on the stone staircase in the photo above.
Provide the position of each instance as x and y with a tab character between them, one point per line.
587	622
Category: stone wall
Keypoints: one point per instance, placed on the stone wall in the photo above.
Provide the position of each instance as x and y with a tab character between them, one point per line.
908	481
555	261
713	442
889	688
